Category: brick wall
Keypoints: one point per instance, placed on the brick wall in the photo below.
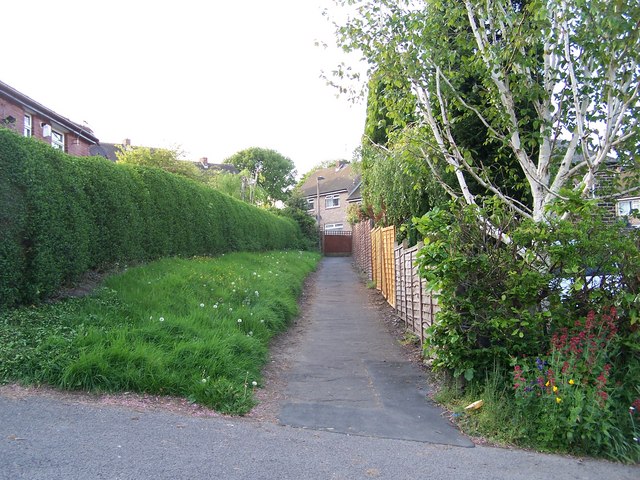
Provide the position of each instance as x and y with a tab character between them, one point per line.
73	144
335	214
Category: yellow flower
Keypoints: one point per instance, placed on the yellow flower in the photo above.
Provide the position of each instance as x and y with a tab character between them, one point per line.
555	389
546	384
558	399
571	382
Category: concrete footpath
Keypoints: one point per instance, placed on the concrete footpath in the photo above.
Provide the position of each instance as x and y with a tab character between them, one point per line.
351	376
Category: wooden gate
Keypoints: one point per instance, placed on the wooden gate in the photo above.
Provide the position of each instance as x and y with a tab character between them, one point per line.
337	244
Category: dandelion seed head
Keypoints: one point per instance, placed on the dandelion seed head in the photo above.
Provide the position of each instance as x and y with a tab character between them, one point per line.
239	320
202	305
254	383
161	319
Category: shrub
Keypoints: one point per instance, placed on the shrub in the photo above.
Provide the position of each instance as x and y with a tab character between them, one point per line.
61	216
577	398
500	300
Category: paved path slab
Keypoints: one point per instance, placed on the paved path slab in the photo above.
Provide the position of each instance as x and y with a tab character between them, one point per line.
350	375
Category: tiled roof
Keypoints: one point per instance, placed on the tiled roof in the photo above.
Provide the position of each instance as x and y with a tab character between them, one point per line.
217	167
336	179
20	98
355	195
106	150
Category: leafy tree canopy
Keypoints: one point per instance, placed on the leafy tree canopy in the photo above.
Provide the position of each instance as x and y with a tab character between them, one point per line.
553	83
271	170
166	159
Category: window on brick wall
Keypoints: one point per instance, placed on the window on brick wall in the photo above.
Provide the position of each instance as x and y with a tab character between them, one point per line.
28	122
333	227
57	140
311	203
627	206
332	201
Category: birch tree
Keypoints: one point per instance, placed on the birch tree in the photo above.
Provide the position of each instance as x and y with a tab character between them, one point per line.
554	82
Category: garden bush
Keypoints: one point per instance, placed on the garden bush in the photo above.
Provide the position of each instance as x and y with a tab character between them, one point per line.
61	216
502	299
554	308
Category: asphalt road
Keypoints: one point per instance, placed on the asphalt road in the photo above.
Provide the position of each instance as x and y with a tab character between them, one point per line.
48	438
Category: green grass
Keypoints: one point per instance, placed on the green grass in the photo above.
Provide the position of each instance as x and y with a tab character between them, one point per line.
197	328
497	421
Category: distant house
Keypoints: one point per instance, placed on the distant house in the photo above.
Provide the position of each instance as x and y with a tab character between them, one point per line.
27	117
328	192
204	165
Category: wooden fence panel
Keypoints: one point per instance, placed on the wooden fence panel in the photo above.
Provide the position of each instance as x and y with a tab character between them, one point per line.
388	240
395	273
362	247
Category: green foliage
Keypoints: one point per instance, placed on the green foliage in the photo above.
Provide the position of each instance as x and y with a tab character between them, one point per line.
296	209
390	105
274	172
580	397
61	216
500	296
196	328
507	88
165	159
397	184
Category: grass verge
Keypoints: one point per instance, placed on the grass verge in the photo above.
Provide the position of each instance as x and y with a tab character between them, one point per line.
196	328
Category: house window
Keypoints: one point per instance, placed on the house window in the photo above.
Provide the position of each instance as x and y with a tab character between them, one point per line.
27	125
311	203
627	206
57	140
332	201
333	227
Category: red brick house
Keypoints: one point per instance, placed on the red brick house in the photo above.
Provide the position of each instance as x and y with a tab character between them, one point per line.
32	119
329	191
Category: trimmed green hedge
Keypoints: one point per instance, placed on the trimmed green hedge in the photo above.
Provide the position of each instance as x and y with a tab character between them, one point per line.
61	216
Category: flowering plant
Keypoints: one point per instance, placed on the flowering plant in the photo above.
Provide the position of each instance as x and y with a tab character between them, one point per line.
568	397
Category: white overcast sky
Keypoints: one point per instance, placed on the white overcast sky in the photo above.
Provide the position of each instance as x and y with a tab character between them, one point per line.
210	77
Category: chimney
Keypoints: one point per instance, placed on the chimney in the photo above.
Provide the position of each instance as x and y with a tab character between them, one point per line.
126	142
